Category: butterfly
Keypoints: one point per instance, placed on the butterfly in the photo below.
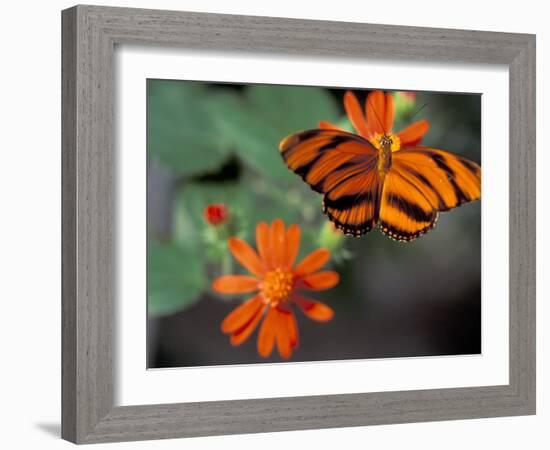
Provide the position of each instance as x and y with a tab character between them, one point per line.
377	178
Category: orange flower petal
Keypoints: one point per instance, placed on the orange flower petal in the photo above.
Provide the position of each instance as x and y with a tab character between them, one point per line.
241	315
235	284
292	329
277	242
355	113
284	344
390	113
313	309
375	108
247	256
266	336
312	262
292	245
324	125
245	331
320	281
414	133
262	243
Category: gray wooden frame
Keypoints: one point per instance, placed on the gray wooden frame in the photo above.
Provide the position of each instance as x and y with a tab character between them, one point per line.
90	34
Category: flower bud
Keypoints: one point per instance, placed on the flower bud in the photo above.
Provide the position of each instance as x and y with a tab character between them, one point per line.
215	214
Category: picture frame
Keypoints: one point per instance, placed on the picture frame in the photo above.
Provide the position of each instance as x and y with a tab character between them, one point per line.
89	270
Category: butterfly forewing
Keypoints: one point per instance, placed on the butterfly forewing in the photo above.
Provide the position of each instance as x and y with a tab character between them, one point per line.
448	180
342	166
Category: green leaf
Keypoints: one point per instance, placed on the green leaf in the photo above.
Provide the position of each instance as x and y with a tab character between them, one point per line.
289	109
175	278
256	125
180	128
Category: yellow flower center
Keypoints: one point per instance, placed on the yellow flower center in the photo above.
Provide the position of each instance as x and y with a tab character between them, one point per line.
277	286
379	139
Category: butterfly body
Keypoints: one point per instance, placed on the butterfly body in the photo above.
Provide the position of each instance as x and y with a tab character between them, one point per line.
384	155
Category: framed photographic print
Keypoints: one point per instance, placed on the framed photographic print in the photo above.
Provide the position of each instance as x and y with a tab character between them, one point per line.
335	219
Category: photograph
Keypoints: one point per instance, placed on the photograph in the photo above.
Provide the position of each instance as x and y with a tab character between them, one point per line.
305	223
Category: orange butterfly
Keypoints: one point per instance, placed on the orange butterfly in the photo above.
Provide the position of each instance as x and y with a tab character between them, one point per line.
377	177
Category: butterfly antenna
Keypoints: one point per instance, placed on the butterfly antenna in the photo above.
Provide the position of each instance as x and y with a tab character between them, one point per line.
418	110
377	117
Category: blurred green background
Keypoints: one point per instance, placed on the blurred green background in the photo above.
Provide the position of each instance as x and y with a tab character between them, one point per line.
218	143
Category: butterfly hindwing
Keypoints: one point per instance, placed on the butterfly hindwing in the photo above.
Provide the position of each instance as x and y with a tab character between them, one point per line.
422	182
342	166
353	204
405	212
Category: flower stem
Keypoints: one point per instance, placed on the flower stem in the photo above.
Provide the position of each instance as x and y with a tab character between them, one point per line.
227	264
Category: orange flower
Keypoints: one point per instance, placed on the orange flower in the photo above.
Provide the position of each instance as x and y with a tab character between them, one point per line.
278	284
377	121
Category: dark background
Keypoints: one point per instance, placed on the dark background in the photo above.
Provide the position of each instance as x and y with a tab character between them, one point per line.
394	300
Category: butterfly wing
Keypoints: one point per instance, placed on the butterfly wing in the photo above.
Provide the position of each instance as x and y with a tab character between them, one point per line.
405	211
353	202
342	166
422	182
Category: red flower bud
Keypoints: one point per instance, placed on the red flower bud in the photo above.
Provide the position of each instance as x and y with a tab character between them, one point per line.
215	214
